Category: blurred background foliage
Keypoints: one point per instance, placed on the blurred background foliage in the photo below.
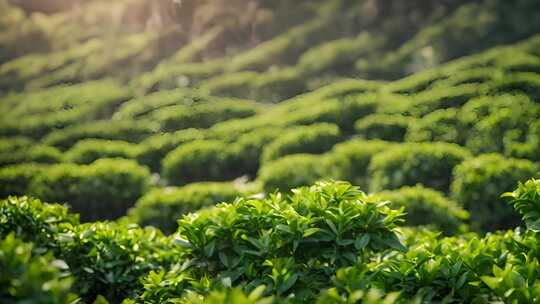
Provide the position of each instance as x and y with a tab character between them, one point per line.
289	47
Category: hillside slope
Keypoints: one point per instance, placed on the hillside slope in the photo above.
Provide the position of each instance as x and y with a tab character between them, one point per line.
254	151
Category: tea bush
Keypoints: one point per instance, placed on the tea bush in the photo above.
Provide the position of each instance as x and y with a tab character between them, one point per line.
9	144
425	206
204	160
479	182
525	200
526	147
342	111
294	41
284	249
292	171
441	125
280	84
290	245
32	154
201	115
129	131
247	150
104	189
338	55
141	106
384	127
87	151
498	122
104	258
154	148
430	164
239	84
28	277
162	207
36	114
434	99
317	138
14	179
350	160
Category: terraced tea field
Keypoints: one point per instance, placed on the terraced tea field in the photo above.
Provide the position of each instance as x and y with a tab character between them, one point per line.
255	151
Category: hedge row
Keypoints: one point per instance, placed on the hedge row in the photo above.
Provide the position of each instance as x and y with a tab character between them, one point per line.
99	259
129	131
478	183
317	138
428	163
87	151
474	182
37	113
104	189
201	115
427	207
18	150
161	207
376	165
216	160
329	243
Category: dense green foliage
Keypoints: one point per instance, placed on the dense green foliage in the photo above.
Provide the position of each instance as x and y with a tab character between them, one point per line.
105	259
292	171
161	207
278	249
525	200
29	277
385	127
197	161
309	139
89	150
427	207
430	164
478	183
104	189
203	151
288	244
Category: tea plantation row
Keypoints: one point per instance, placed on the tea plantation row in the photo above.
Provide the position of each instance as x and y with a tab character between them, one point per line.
468	129
179	150
329	243
278	50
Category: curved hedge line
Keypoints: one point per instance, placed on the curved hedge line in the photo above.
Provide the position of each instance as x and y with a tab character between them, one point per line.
430	164
383	126
202	115
154	148
425	206
313	139
350	160
292	171
162	207
104	189
328	243
15	179
87	151
33	154
129	131
203	160
479	182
